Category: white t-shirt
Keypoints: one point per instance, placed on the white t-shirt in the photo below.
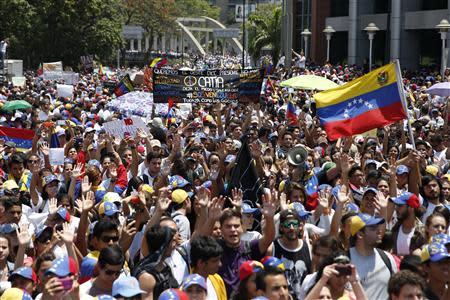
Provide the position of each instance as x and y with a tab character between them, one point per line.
403	241
250	236
180	269
429	211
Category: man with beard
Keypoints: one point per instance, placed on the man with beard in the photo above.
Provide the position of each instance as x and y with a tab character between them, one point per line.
374	266
408	229
431	192
292	249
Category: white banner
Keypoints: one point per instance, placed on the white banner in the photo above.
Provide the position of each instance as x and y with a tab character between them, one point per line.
64	90
125	127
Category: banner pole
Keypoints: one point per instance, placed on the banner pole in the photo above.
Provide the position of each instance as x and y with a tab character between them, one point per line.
401	89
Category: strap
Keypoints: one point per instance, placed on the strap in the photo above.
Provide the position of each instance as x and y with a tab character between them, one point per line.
385	259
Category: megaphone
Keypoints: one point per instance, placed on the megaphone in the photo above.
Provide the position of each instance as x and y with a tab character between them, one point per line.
297	155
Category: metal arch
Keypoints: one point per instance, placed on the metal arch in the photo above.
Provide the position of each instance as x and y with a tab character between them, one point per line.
191	37
236	43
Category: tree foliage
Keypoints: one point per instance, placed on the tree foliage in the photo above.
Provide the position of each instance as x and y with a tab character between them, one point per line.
265	30
49	30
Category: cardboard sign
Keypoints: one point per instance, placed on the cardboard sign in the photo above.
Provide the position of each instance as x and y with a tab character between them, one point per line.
18	81
124	127
53	66
56	156
64	90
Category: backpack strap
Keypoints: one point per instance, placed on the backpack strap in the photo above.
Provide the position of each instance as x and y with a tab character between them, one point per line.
247	248
385	259
185	256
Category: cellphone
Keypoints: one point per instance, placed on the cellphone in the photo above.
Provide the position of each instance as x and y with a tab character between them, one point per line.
66	282
131	218
344	270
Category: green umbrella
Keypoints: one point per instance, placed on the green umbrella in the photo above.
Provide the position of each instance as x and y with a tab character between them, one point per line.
309	82
16	104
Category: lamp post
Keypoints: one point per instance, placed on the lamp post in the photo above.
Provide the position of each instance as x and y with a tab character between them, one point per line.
443	27
243	34
328	33
306	34
371	29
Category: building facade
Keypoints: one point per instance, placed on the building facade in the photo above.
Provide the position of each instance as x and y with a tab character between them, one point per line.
406	30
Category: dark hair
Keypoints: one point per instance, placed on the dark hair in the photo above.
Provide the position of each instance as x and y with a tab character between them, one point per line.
111	255
133	184
260	280
11	251
329	260
228	214
47	256
204	248
426	179
16	159
353	169
151	155
157	236
402	278
443	210
11	201
103	226
326	241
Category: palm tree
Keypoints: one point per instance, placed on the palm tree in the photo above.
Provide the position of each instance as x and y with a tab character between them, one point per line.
265	31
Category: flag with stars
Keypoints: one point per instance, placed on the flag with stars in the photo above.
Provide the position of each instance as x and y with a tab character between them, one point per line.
371	101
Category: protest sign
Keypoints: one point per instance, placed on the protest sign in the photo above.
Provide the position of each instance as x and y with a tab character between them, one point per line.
18	81
207	86
56	156
53	66
87	61
125	127
64	90
70	77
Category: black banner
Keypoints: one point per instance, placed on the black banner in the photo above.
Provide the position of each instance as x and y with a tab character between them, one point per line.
207	86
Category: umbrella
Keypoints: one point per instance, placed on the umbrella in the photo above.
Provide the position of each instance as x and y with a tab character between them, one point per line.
16	104
309	82
440	89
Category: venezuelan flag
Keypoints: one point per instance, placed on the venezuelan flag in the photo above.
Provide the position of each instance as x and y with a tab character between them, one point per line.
369	102
155	61
290	113
124	86
22	137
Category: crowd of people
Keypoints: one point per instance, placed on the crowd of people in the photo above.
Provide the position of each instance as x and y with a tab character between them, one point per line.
152	215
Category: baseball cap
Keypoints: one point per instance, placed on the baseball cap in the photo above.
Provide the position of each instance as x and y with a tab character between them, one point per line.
370	189
432	169
15	294
48	179
371	162
179	196
407	198
107	208
177	181
402	169
360	221
440	238
8	228
248	268
300	209
103	297
155	143
274	262
10	185
127	286
248	209
230	158
260	298
173	294
94	162
434	252
25	272
62	267
64	214
112	197
194	279
10	144
40	230
89	129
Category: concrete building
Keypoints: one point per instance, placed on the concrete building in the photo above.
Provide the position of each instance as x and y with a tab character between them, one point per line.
407	30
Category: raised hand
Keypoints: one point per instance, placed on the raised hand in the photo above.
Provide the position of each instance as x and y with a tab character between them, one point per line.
236	197
85	185
67	234
141	134
129	231
216	207
88	202
164	200
52	206
343	196
23	237
77	171
44	148
283	201
324	196
203	196
345	163
269	207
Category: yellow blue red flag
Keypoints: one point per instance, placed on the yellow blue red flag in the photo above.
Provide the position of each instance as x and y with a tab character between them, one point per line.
369	102
125	86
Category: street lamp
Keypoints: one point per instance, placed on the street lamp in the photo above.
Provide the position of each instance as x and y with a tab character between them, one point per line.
306	33
328	33
371	29
443	27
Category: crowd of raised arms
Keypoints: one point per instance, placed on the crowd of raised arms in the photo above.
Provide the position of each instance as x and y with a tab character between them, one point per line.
151	215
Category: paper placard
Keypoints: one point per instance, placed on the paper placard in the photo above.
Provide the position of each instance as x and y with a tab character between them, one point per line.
64	90
129	126
18	81
56	156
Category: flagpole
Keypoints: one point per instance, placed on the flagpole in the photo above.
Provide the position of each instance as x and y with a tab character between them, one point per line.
400	87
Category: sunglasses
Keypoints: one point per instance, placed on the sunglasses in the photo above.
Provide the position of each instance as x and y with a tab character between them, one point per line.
112	272
106	239
33	161
288	224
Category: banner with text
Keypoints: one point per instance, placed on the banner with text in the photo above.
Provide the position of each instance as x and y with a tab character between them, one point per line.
207	86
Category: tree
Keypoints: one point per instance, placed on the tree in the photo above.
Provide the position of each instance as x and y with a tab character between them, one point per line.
265	30
47	30
197	8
